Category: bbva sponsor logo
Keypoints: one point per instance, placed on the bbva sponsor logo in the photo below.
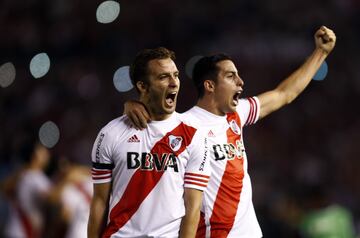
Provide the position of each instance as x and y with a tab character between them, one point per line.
229	151
152	161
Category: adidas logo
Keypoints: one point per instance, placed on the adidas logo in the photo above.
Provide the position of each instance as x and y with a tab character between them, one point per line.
133	139
211	134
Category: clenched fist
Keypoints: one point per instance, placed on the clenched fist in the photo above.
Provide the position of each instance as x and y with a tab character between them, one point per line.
325	39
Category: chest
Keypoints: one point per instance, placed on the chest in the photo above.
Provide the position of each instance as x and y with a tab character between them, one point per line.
225	142
150	151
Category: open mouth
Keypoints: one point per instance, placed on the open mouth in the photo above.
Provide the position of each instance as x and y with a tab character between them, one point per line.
236	97
170	98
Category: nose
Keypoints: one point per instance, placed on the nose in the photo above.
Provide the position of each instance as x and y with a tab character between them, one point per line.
173	81
239	81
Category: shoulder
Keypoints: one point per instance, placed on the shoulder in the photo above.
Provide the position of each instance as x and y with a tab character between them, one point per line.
248	110
243	102
190	118
116	127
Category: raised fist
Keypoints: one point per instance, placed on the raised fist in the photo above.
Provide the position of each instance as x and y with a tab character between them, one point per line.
325	39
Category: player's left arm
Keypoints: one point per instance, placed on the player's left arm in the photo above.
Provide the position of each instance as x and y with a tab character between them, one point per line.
190	222
196	178
293	85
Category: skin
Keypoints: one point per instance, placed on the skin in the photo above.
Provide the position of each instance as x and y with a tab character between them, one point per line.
219	93
98	210
189	223
163	79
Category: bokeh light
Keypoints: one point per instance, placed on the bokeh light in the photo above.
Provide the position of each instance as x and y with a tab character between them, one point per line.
107	11
49	134
39	65
322	72
7	74
122	80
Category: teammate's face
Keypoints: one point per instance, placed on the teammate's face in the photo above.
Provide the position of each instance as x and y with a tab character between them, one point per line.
42	156
162	89
228	87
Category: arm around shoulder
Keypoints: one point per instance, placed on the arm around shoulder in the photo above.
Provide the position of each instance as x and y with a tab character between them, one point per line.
137	113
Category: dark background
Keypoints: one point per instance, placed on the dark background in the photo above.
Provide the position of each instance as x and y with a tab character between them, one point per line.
311	144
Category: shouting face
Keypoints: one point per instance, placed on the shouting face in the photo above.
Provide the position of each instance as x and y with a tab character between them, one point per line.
160	93
228	87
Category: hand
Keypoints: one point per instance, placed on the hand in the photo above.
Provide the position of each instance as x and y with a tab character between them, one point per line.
325	39
137	113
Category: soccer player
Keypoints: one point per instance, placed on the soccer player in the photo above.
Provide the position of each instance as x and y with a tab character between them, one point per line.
227	209
149	183
71	197
30	196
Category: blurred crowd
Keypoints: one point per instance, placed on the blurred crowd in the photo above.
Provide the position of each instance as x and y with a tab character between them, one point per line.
303	160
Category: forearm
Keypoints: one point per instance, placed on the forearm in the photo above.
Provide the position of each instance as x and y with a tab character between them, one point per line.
97	219
189	225
99	210
298	80
190	221
292	86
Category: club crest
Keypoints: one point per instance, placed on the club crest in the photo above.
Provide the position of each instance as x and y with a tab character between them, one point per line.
234	127
175	142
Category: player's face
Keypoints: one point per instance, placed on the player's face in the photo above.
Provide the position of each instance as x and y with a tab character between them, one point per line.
228	87
163	88
42	155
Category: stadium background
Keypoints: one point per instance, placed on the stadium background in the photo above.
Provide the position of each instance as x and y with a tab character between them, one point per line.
309	145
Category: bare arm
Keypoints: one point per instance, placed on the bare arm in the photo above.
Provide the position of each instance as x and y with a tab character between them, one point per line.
293	85
190	221
98	210
137	113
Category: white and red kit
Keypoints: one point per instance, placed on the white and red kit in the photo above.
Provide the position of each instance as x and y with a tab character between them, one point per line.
227	209
26	218
149	170
76	197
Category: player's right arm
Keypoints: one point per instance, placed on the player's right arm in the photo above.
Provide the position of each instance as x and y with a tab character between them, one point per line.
99	209
102	166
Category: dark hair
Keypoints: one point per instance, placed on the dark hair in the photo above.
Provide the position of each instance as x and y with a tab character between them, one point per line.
139	67
206	68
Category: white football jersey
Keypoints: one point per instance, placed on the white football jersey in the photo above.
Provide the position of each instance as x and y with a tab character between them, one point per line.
26	214
227	209
148	170
76	198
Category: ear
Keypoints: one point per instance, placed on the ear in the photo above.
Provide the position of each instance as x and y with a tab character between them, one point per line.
209	86
141	86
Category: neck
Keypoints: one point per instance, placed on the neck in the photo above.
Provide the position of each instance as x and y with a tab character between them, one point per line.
209	104
154	113
159	117
34	165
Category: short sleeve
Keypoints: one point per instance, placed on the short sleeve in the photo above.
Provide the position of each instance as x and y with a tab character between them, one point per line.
101	156
249	110
198	170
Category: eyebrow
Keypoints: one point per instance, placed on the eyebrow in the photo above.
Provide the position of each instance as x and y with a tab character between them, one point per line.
168	73
230	71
